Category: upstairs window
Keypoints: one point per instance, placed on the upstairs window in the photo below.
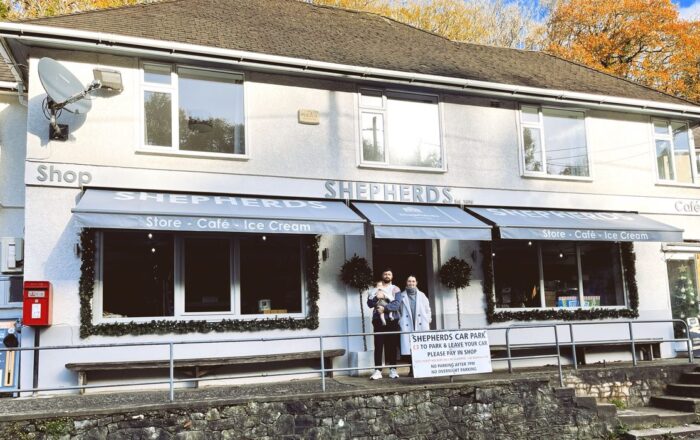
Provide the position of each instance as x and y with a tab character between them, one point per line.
554	142
192	110
400	130
676	157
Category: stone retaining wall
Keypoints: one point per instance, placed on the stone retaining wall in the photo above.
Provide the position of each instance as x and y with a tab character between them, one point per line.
519	408
630	386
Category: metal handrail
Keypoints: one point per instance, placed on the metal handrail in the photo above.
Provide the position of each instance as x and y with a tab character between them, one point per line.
323	369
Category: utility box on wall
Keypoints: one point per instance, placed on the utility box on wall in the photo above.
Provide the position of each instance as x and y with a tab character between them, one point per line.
38	303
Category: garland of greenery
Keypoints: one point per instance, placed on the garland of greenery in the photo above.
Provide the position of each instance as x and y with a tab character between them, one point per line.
87	283
579	314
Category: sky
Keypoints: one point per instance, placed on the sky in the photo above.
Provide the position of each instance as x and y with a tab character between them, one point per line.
689	9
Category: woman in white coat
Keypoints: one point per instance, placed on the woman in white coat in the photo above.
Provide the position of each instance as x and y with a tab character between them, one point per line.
414	313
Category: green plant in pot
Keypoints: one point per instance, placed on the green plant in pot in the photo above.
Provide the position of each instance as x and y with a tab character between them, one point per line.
456	274
357	274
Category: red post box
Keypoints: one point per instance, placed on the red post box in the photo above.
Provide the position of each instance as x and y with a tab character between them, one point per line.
38	303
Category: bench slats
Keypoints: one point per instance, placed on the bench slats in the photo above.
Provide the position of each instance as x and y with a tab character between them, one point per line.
203	362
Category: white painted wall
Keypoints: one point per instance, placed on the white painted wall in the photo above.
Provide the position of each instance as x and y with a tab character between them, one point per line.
481	143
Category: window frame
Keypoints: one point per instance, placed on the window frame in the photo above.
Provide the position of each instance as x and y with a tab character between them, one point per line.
386	94
5	303
179	284
669	137
540	126
173	90
625	293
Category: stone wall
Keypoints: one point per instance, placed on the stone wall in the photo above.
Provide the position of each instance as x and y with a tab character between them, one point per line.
526	406
623	384
503	409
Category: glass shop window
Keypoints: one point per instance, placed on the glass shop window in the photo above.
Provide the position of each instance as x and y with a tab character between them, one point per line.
271	274
207	275
218	274
570	274
137	274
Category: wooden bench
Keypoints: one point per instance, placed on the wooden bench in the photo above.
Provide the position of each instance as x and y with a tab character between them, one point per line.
198	367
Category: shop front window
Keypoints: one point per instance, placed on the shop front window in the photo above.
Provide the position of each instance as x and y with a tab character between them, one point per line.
270	275
683	271
219	275
400	130
570	274
137	274
192	110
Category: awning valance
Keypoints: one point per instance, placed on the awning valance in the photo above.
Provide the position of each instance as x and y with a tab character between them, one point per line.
423	222
100	208
540	224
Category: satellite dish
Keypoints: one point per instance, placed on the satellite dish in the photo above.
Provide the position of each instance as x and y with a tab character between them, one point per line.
64	91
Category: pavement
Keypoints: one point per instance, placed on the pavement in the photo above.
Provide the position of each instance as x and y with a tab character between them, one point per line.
95	403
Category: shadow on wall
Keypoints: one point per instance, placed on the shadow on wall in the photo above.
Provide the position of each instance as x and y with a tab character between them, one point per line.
38	123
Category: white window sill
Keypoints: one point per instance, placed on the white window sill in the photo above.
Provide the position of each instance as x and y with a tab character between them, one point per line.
372	166
11	306
678	184
556	177
531	309
197	317
165	151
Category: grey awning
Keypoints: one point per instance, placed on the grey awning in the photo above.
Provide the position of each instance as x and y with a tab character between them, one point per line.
195	212
423	222
539	224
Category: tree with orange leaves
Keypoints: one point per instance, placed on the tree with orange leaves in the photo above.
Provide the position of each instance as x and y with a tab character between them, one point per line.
24	9
642	40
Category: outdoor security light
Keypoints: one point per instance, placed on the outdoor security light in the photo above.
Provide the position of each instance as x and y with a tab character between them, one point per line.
109	79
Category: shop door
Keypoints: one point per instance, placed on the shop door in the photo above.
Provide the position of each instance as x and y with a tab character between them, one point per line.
404	257
683	285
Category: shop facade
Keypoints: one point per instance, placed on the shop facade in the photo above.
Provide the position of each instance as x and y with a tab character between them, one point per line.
218	200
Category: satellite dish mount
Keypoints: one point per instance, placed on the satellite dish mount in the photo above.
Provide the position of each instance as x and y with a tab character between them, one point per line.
65	91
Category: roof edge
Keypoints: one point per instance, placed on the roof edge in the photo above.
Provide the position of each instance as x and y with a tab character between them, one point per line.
80	38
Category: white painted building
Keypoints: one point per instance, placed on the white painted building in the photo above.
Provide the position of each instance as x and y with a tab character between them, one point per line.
199	182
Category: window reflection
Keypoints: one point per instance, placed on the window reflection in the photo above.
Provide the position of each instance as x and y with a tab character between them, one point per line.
210	111
517	274
414	133
565	143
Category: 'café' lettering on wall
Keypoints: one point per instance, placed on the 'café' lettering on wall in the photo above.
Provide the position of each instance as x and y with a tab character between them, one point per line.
387	192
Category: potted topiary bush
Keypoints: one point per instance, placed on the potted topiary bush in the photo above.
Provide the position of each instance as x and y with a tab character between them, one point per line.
456	274
357	274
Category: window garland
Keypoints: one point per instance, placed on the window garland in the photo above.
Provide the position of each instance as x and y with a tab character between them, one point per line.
578	314
160	326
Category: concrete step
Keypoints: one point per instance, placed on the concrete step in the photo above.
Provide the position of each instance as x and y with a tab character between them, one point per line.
648	417
676	432
692	377
683	389
685	404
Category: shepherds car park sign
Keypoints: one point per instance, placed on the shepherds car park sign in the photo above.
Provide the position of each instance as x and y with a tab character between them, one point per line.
450	353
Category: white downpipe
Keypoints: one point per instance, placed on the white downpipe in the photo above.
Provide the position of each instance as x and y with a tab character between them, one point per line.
121	43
